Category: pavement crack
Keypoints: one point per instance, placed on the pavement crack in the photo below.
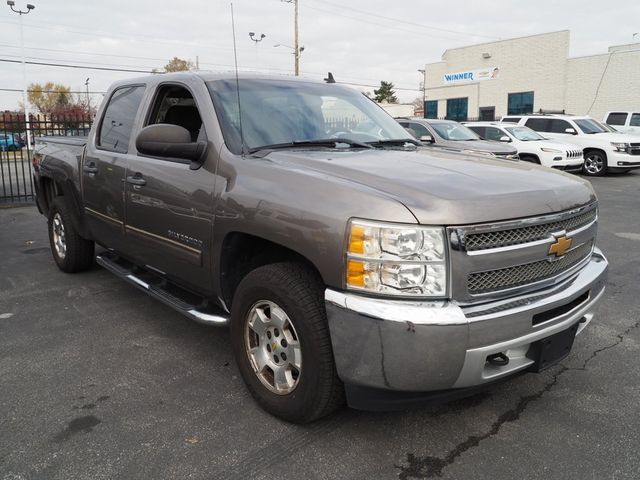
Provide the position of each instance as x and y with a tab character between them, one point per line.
430	466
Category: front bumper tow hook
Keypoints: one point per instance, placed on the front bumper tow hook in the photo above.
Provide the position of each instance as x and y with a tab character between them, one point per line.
498	359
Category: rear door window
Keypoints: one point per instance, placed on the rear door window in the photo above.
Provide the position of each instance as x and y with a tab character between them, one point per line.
479	130
617	118
118	119
558	126
420	130
538	124
494	134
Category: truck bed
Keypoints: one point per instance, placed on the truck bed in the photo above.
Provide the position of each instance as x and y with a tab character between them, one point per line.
76	141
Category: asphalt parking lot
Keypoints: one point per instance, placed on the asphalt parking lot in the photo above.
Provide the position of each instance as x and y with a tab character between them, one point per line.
98	381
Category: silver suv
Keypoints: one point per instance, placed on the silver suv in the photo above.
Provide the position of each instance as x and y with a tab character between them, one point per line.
450	134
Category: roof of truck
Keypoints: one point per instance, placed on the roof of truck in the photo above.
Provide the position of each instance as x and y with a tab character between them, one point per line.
207	76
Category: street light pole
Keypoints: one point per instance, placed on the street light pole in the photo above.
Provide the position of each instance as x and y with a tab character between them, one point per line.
20	13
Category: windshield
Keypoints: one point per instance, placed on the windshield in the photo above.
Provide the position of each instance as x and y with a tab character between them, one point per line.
454	131
590	126
524	133
276	112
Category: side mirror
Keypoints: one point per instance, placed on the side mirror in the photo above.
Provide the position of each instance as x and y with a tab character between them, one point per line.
505	138
426	138
172	142
570	130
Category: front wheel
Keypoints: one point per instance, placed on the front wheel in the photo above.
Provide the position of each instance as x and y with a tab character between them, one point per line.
280	340
595	164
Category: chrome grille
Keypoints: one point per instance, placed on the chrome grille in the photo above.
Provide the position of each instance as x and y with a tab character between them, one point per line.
516	236
574	153
509	277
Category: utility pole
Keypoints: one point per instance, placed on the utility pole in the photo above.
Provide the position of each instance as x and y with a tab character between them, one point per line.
86	84
297	50
30	7
423	86
295	38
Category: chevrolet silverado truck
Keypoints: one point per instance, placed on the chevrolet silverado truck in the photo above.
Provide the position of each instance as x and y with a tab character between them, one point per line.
349	261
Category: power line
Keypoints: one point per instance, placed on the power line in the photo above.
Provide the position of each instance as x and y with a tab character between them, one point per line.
49	91
6	60
407	22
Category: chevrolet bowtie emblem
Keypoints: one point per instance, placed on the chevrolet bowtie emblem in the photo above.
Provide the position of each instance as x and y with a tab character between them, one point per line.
560	246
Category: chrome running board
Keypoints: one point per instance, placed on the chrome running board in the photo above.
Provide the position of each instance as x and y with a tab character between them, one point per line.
190	305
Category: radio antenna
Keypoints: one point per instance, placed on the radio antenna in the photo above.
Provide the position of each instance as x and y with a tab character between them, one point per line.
235	56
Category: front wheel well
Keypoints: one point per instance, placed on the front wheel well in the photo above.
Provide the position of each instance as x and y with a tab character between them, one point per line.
242	253
586	151
530	157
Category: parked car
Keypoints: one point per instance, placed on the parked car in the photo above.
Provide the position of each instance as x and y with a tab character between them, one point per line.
447	133
8	143
346	263
531	146
603	150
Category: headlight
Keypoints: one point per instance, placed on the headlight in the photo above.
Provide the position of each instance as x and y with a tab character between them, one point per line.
551	150
390	259
620	147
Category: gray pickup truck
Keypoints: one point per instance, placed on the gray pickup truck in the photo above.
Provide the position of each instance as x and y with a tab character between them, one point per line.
349	261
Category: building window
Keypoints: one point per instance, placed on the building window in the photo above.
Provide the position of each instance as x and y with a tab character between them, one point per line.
431	109
457	109
520	103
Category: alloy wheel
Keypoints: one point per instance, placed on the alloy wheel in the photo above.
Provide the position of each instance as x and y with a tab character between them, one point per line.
273	347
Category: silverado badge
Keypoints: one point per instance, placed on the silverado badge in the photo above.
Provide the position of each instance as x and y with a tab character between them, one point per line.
560	246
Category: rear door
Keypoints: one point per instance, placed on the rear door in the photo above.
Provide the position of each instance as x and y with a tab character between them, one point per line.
104	166
170	207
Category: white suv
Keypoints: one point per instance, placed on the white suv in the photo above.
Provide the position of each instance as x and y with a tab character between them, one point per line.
625	122
532	146
603	150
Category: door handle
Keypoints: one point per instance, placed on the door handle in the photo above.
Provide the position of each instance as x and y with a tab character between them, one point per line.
136	180
91	168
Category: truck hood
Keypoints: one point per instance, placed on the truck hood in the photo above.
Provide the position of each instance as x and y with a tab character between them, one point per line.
446	188
608	137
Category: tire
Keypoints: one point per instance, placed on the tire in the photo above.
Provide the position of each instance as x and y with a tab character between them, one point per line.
595	163
71	252
311	389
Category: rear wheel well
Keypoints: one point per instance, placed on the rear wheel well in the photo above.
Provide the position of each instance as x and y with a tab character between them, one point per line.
50	189
242	253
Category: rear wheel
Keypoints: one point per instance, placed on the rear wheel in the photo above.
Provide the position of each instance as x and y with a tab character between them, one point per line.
595	163
71	252
281	342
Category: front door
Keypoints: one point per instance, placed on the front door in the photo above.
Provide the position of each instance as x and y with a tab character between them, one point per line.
487	114
104	167
170	207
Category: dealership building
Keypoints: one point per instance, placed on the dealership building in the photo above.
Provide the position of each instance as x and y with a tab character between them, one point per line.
531	74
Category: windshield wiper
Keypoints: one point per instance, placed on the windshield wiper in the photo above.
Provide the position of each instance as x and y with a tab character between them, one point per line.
320	142
394	142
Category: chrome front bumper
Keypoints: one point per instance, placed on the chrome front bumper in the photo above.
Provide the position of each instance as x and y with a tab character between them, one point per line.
411	346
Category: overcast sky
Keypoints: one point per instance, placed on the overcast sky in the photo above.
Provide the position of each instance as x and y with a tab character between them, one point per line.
360	41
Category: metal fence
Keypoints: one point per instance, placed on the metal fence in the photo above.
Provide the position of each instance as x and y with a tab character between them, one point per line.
16	179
